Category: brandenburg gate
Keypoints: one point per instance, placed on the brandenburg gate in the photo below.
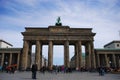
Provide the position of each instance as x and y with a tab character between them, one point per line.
58	35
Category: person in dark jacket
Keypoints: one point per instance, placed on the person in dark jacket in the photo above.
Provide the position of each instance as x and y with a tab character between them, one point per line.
34	71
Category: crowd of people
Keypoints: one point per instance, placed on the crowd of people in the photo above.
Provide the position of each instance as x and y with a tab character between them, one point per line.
9	69
59	69
56	69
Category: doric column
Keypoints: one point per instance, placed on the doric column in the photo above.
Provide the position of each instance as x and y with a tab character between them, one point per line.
80	53
93	63
89	55
66	54
2	61
25	55
18	60
40	55
98	60
114	60
10	59
37	55
50	55
76	56
106	60
29	58
118	61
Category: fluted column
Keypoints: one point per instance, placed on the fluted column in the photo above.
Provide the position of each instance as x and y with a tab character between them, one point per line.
118	61
29	59
106	60
10	59
2	61
24	55
88	55
40	55
18	60
76	56
80	53
87	61
66	54
98	60
114	60
93	63
37	54
50	55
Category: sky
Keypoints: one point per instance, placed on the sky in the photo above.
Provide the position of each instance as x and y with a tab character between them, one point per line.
103	16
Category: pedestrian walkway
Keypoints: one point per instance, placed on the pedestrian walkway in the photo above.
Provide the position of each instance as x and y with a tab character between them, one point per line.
59	76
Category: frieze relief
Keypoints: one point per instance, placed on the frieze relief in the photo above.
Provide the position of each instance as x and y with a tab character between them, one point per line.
58	29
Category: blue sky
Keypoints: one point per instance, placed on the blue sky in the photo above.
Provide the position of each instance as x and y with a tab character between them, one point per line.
101	15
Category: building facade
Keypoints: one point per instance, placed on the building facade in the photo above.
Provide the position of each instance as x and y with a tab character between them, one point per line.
58	35
4	44
10	56
109	56
113	45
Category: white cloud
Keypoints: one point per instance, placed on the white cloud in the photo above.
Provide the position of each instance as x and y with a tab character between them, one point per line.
77	15
13	37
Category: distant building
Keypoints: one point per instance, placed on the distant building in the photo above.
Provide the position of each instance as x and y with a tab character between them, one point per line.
113	45
44	60
10	56
4	44
72	61
109	56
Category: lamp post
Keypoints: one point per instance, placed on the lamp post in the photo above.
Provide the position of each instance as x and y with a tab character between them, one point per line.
118	61
0	60
110	63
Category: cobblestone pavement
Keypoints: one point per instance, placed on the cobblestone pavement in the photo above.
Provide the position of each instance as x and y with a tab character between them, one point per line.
59	76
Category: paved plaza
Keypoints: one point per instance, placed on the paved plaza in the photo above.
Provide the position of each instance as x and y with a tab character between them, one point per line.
59	76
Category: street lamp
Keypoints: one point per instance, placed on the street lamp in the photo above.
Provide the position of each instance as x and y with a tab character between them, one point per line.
6	62
110	63
0	59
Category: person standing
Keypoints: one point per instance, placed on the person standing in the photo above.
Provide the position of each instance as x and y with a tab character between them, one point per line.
34	71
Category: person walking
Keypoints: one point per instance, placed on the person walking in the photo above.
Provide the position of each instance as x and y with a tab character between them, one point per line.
34	71
101	71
